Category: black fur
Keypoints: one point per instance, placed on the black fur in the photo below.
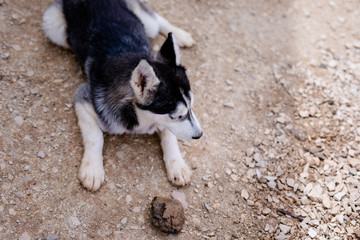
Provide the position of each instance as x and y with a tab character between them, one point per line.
110	40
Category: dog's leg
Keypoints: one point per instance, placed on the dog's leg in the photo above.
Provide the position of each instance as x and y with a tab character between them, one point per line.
178	171
91	173
183	38
154	23
54	24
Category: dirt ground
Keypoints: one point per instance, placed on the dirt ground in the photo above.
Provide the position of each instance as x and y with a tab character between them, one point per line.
276	84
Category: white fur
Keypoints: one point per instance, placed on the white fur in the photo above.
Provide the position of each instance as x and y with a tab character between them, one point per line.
150	23
54	25
178	171
91	172
145	71
183	38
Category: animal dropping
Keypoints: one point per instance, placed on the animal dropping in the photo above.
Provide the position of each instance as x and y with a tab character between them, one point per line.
167	214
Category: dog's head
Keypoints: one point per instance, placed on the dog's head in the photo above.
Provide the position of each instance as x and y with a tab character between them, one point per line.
162	92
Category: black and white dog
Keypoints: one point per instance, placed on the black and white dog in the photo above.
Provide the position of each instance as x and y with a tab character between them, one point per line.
130	90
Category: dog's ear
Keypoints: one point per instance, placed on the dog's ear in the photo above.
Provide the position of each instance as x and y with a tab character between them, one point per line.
144	82
169	52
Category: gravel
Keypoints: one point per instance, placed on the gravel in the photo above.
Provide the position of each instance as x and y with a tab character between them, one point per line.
276	89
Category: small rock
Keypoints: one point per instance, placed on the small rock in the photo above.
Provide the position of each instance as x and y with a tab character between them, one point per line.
284	228
208	208
229	104
244	194
304	114
332	63
339	196
271	184
25	236
124	220
19	120
5	55
128	199
167	214
12	212
249	152
290	182
326	201
51	236
180	196
312	233
73	222
234	177
34	91
136	209
41	154
316	193
355	163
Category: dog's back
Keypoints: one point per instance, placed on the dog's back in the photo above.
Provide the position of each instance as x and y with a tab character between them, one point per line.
103	28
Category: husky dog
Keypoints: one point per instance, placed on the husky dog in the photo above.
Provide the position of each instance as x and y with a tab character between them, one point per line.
129	89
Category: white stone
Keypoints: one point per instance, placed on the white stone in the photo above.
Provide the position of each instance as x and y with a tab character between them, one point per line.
136	209
73	222
304	114
41	154
316	193
339	196
290	182
271	184
326	201
128	199
284	228
312	233
19	120
25	236
124	220
244	194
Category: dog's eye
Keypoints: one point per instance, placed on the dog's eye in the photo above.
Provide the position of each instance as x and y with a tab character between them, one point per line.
180	117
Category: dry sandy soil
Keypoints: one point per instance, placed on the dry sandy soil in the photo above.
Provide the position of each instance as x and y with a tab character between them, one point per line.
277	93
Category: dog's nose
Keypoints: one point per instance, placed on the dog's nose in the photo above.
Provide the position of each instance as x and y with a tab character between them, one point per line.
198	135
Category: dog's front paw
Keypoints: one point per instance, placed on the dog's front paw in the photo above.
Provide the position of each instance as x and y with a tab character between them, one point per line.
183	38
178	172
91	175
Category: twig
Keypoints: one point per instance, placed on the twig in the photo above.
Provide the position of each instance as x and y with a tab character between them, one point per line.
290	214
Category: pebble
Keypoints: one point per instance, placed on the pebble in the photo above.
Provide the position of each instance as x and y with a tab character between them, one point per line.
290	182
234	177
51	236
271	184
316	193
284	228
229	104
180	196
128	199
326	201
124	220
339	196
5	55
304	114
12	212
312	233
208	208
136	209
41	154
244	194
34	91
249	152
19	120
73	222
25	236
